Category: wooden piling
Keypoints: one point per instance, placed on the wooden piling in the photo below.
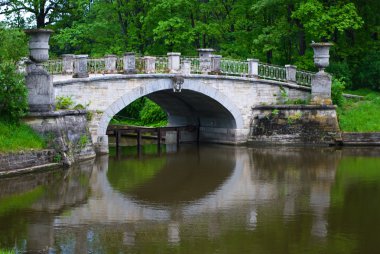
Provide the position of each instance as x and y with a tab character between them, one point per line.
178	136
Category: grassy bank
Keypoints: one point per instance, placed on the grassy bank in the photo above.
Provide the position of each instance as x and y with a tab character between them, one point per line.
360	115
18	137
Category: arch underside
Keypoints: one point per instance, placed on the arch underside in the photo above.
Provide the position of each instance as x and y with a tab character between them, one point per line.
193	108
218	118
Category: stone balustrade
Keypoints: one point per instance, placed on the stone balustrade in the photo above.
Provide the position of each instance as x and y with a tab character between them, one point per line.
206	63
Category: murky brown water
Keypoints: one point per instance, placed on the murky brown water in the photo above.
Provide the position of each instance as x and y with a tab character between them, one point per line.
211	199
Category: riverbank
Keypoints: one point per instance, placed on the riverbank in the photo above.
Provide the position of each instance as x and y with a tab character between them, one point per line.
19	137
360	115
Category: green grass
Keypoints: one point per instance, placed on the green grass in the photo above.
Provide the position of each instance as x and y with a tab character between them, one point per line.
7	251
362	92
360	115
18	137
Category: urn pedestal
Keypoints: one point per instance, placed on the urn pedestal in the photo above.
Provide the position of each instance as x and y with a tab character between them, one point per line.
38	80
321	82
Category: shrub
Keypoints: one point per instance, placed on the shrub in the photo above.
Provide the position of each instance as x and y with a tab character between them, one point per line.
337	88
341	71
64	102
368	71
13	93
152	113
14	44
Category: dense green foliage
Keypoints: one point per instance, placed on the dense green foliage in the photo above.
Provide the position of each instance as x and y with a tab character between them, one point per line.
275	31
17	137
63	102
337	89
142	112
13	93
360	115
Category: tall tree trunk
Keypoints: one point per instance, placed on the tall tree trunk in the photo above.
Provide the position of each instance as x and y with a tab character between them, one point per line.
302	43
269	56
40	18
123	24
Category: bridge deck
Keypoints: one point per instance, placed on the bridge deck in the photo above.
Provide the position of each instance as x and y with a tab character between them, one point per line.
61	77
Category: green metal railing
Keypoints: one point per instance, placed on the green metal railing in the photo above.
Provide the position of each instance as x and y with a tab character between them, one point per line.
228	67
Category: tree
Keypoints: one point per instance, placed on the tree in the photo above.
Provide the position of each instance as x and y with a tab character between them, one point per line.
43	12
13	92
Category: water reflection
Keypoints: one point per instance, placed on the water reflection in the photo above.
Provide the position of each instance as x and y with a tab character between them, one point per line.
208	200
29	205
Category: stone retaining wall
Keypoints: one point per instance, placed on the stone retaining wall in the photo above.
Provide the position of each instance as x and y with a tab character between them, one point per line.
364	138
294	124
26	159
66	132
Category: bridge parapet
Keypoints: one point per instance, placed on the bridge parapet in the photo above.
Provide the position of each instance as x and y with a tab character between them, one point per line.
213	65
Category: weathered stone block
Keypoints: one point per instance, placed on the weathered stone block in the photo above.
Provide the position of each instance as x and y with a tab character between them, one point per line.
80	66
65	131
40	90
303	124
174	62
129	61
321	89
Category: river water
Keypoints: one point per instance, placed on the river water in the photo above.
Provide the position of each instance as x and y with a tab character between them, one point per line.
206	199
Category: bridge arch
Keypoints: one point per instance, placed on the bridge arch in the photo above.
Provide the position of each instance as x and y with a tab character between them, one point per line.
158	86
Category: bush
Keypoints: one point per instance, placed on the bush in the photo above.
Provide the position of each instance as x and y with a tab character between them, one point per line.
64	102
368	71
13	93
13	44
132	111
337	89
341	71
152	113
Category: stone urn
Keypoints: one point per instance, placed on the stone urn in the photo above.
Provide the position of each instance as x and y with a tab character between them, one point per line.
39	44
321	81
321	54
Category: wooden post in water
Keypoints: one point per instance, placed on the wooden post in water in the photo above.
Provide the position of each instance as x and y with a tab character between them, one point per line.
138	138
198	133
159	140
178	135
117	138
138	141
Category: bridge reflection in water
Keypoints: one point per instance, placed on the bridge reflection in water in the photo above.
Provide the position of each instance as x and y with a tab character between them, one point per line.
205	185
199	199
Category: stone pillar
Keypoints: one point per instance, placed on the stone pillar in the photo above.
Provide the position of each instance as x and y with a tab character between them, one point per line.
68	63
102	145
291	72
129	61
205	60
215	64
253	68
321	89
110	63
80	66
174	62
38	80
321	82
150	64
186	67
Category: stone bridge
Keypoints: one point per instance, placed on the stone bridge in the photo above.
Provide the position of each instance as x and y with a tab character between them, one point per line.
220	96
219	105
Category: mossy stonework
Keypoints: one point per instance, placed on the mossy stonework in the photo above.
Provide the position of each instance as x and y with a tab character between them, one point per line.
66	132
25	159
294	124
